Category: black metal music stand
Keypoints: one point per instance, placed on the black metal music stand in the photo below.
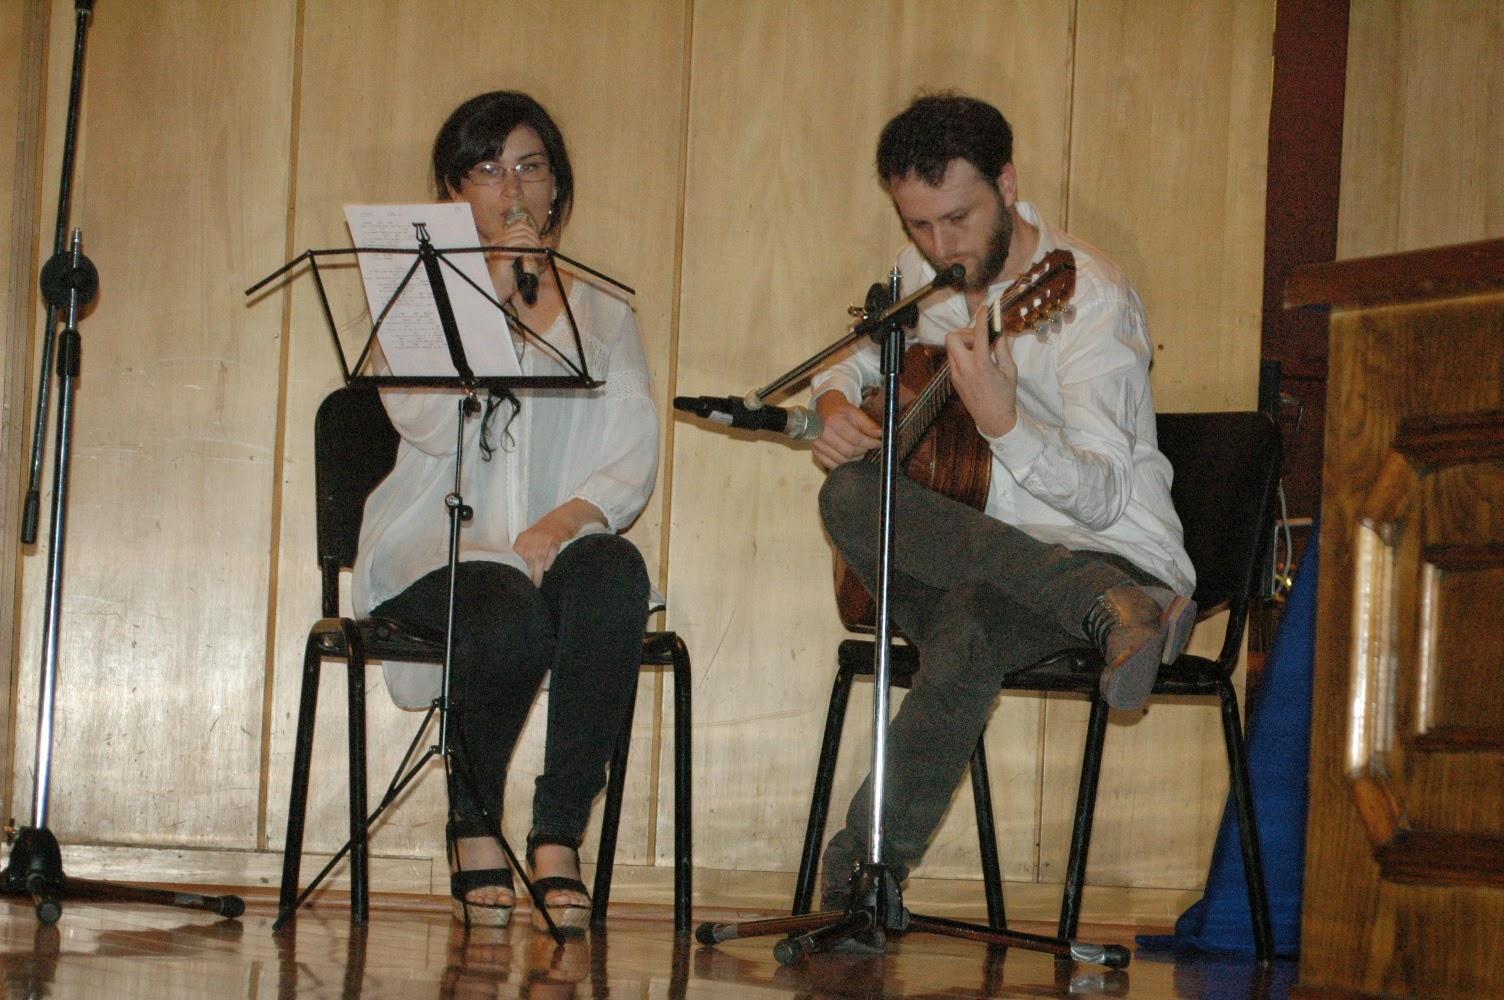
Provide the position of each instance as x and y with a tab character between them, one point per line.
69	282
874	898
463	379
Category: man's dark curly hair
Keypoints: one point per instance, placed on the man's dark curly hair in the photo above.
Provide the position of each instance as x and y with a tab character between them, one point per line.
937	128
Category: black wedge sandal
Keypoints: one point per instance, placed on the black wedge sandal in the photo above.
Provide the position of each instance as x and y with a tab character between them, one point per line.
462	881
572	919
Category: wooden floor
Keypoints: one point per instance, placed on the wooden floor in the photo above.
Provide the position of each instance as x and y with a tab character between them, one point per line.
130	951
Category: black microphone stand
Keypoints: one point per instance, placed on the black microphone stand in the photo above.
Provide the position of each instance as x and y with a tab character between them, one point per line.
69	282
874	899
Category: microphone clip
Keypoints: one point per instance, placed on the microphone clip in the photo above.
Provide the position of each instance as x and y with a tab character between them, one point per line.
879	299
527	282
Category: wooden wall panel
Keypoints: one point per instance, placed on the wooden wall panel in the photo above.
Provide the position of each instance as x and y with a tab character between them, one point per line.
1423	141
1168	148
23	30
181	191
377	81
1169	138
785	225
227	138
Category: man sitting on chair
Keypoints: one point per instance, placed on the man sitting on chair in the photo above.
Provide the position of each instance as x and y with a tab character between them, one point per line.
1078	541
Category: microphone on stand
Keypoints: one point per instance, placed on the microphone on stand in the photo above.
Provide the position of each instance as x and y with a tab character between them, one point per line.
526	274
798	422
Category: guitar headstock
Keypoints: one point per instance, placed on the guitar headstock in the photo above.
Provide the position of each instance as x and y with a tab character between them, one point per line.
1038	299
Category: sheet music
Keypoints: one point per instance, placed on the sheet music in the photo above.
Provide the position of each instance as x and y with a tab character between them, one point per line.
411	337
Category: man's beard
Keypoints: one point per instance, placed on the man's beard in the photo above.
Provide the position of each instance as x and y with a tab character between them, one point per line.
997	252
998	242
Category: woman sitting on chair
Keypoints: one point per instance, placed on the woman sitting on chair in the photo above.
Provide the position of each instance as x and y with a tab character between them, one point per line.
545	583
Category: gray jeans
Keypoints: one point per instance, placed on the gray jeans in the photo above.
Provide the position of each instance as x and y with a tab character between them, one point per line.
980	599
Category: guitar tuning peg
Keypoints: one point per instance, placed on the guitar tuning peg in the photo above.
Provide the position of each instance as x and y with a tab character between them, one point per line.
1069	313
1042	331
1056	323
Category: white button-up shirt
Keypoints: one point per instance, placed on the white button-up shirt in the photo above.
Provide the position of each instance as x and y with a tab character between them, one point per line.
1081	467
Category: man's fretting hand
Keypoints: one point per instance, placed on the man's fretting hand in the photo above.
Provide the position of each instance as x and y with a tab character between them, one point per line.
984	376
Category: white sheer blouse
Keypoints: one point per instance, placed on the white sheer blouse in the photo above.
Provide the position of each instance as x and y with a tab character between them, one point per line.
599	445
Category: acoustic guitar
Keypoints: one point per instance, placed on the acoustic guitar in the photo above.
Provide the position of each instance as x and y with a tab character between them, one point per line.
938	443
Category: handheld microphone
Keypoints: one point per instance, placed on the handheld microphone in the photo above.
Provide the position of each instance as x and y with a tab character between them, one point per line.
952	277
525	273
798	422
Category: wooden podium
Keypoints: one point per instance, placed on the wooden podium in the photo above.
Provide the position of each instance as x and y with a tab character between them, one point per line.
1404	877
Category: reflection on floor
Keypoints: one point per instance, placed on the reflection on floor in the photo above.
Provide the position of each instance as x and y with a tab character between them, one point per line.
123	951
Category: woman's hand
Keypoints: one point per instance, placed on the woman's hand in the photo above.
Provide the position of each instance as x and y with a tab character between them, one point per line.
984	376
539	544
847	433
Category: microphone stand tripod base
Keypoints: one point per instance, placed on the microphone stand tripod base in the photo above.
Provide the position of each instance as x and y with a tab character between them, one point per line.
876	910
35	869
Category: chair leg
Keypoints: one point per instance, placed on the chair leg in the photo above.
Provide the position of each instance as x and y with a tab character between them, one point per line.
1086	804
992	872
616	781
683	842
355	674
1248	832
819	804
302	759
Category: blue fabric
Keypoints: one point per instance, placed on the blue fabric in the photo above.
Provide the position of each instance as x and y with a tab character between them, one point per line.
1279	741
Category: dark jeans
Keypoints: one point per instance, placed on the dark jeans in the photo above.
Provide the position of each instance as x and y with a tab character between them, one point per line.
584	624
981	599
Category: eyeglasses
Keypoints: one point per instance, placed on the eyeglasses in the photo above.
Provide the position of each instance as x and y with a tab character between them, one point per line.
489	172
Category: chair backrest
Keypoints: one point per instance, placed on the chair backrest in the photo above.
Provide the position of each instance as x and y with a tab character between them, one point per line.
1226	475
354	447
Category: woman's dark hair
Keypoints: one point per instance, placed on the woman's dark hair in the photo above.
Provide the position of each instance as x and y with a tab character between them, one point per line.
938	128
478	129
